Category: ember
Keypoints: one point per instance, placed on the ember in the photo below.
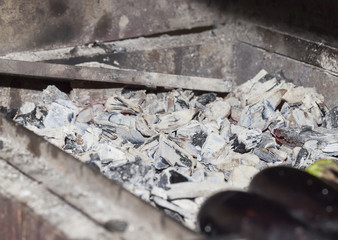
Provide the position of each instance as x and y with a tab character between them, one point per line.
174	149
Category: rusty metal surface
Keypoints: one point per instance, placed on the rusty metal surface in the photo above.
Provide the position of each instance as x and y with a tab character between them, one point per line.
88	191
121	76
19	222
39	24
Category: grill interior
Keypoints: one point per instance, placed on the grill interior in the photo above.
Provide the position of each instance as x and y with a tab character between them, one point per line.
59	42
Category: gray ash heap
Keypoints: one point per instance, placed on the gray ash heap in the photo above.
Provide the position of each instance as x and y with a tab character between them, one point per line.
174	149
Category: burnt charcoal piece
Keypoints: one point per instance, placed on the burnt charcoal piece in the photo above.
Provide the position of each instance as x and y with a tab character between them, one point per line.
238	146
306	197
301	157
136	172
8	112
295	136
34	118
70	117
106	161
183	104
3	110
251	216
163	180
161	164
71	143
206	98
266	155
184	159
169	176
11	113
199	138
94	157
176	177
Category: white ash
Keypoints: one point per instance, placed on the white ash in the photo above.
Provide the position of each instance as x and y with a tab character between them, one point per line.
27	107
175	148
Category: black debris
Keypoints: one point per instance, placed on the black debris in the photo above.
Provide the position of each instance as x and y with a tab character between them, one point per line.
237	146
94	157
176	177
35	117
265	155
184	159
206	98
302	155
182	104
161	164
8	112
116	225
132	172
72	144
199	138
163	180
93	166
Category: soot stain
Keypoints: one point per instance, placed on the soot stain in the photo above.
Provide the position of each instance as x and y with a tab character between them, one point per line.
15	98
62	32
58	7
154	55
103	26
34	147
